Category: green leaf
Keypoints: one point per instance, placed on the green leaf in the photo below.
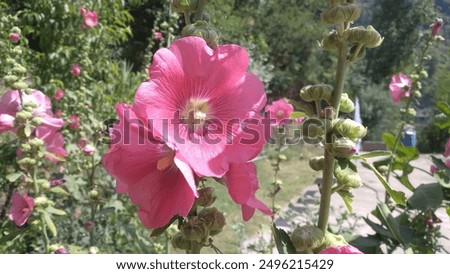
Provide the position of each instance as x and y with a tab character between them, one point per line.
12	177
388	139
27	130
426	197
50	225
444	108
379	229
373	154
390	221
441	165
347	196
448	210
55	211
107	210
282	241
298	114
59	190
161	230
398	196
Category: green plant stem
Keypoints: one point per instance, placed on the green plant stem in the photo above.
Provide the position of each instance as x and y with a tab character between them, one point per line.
44	233
276	169
187	19
327	178
93	202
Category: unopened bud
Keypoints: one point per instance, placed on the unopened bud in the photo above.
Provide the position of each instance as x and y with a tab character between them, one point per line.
214	219
41	201
356	56
19	69
93	250
93	194
333	240
89	225
25	147
20	85
45	184
10	79
328	112
349	128
16	30
313	128
306	238
329	41
61	251
89	150
317	163
36	142
346	174
36	121
369	37
383	169
180	242
316	92
206	196
424	73
185	6
14	37
195	229
26	161
343	148
203	30
340	13
417	94
17	50
23	115
346	104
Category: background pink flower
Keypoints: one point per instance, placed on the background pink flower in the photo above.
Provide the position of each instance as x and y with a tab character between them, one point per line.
76	70
345	249
59	94
158	35
436	27
207	95
10	104
281	111
14	37
155	179
74	121
447	148
54	143
400	87
90	18
21	208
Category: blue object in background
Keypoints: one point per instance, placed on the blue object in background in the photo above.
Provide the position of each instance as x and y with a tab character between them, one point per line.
409	137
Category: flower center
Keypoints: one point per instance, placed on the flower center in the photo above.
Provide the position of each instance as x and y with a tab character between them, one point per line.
195	113
280	113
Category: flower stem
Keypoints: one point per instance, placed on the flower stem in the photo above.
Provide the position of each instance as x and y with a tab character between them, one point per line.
44	233
327	177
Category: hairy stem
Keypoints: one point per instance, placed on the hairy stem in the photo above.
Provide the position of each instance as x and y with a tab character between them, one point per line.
327	178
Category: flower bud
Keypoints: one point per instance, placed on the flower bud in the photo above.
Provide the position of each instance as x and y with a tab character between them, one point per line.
20	85
369	37
26	161
340	13
356	56
89	225
346	104
93	250
349	128
36	121
195	229
17	50
25	147
89	150
14	37
329	41
30	104
10	79
45	184
16	30
180	242
313	128
316	92
203	30
23	115
206	196
331	239
346	174
417	94
19	69
317	163
183	6
436	27
383	169
36	142
214	219
306	238
93	194
41	201
343	148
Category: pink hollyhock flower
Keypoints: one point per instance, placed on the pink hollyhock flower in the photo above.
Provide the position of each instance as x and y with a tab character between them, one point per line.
447	148
58	113
159	182
82	142
89	225
242	185
90	18
74	121
158	35
76	70
281	111
400	87
345	249
204	104
14	37
436	27
10	104
56	182
54	143
59	94
89	150
433	169
21	208
299	120
61	251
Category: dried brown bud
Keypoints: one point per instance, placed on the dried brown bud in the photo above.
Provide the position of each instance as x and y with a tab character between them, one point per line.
180	242
214	219
195	229
206	196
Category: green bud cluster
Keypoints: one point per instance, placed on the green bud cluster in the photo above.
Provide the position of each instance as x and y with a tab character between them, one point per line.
341	12
317	92
349	128
306	238
367	37
203	30
346	104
